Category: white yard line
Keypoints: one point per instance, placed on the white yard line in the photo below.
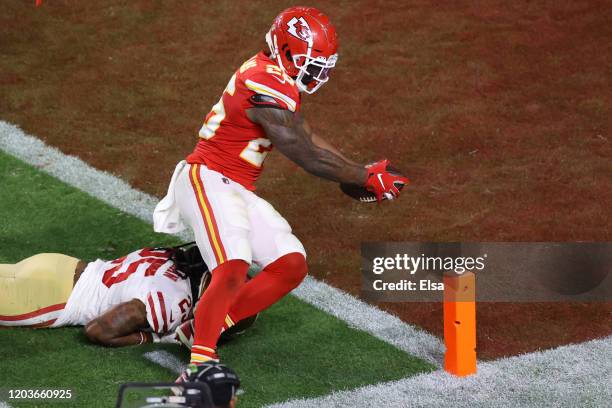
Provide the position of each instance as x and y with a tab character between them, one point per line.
117	193
166	360
73	171
569	376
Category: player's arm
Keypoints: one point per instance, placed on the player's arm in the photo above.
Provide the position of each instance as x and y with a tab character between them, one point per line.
324	144
294	138
120	326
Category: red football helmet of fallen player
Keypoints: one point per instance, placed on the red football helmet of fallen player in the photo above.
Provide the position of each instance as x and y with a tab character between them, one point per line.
305	46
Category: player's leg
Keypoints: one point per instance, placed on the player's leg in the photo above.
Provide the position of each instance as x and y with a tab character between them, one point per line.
218	217
34	291
281	255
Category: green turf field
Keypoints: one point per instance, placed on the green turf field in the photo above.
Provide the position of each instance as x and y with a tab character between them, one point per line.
294	350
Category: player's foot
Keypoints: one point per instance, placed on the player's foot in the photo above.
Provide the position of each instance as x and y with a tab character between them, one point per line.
216	376
180	380
184	377
191	369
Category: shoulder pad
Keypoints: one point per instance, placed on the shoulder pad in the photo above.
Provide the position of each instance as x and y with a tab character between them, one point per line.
264	101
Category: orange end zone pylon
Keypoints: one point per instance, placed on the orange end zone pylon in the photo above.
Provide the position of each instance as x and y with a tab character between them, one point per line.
460	324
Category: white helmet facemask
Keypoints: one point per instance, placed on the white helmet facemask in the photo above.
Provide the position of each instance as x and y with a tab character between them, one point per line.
313	69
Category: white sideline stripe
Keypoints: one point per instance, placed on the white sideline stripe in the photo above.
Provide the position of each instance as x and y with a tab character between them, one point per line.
568	376
4	405
117	193
166	360
372	320
75	172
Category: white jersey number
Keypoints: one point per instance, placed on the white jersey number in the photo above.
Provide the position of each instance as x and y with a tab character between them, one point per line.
256	151
217	114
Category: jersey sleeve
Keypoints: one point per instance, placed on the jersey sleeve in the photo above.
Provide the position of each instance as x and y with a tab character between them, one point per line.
159	310
274	90
180	306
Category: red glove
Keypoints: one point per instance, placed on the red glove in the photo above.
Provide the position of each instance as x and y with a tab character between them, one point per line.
382	183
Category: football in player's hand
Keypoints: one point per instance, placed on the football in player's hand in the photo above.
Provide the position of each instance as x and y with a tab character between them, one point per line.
362	194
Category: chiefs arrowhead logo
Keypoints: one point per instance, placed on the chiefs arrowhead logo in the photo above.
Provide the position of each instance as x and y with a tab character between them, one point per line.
299	28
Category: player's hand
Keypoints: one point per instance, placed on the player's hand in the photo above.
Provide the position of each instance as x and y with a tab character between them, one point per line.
383	183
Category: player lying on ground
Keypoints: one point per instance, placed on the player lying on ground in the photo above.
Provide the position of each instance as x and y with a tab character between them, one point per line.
212	191
139	298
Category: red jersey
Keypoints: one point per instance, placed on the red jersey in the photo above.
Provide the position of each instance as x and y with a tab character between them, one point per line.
230	142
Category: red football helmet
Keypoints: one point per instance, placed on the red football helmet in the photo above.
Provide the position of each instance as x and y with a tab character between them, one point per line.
305	45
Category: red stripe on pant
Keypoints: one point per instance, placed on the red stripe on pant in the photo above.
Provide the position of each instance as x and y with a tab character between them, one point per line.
207	213
35	313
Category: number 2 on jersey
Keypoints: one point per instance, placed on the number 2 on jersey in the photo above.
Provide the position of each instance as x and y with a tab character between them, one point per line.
256	151
217	114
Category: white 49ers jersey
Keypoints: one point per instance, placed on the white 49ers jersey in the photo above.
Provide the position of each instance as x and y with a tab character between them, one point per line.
147	275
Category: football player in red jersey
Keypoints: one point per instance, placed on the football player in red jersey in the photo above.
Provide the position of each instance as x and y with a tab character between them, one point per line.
212	191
